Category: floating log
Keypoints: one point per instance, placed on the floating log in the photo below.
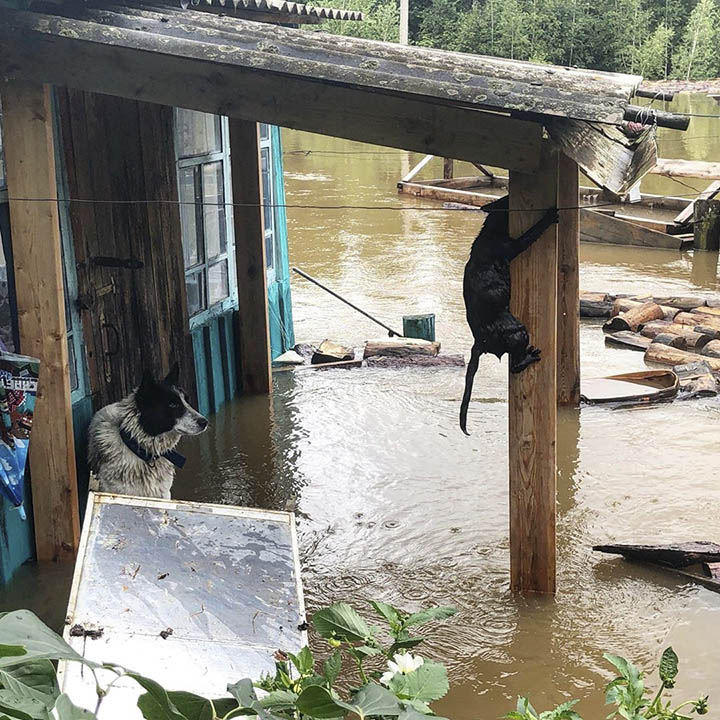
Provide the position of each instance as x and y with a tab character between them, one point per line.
712	333
701	386
676	341
654	328
694	320
400	347
665	355
623	304
687	168
686	303
628	339
423	361
712	349
693	340
634	317
706	310
669	312
677	555
593	304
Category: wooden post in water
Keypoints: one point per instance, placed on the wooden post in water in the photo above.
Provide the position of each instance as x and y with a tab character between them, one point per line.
707	225
533	393
253	341
448	168
568	298
37	257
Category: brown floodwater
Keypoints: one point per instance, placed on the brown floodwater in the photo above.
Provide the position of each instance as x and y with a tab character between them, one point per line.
395	503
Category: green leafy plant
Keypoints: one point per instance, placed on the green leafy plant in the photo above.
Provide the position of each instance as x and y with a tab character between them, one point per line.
629	695
399	685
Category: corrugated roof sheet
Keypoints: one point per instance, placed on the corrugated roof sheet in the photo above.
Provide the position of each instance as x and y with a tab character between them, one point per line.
281	7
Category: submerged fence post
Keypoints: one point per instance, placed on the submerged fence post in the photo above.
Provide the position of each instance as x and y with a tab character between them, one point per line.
532	411
707	225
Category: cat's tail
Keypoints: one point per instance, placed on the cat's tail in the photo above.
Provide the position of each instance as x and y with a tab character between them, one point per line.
469	377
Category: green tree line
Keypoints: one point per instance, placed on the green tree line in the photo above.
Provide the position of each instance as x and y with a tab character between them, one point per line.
654	38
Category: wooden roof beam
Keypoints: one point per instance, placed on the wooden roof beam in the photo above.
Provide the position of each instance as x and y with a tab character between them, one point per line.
177	73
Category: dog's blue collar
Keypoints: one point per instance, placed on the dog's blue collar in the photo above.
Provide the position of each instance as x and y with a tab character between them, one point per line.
132	444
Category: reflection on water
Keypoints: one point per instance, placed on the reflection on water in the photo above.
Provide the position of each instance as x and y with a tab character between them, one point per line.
396	503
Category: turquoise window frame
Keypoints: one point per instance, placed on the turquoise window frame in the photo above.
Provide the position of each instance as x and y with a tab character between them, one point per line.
223	156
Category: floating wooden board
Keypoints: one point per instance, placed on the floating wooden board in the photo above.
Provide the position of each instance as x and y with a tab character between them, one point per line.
646	386
602	228
675	554
221	582
628	339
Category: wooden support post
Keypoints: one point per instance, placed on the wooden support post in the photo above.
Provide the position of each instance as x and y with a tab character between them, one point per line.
448	168
568	318
253	340
532	393
37	256
707	225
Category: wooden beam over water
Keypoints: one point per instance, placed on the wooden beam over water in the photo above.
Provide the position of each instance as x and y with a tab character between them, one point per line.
37	256
195	74
253	336
533	393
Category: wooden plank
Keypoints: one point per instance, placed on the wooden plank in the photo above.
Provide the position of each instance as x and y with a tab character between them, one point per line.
708	193
676	555
253	348
448	168
37	246
455	78
686	168
418	168
478	199
203	386
533	392
218	363
568	279
602	228
200	76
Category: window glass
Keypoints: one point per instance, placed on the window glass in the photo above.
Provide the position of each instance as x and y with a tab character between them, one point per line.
218	288
214	210
198	133
188	215
264	131
267	207
195	292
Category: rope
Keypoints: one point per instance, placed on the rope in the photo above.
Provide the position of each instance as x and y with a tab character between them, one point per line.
296	206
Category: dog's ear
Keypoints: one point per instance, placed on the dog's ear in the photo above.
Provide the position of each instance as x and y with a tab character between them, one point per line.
173	377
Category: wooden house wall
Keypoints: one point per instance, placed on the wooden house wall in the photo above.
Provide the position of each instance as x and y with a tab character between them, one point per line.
119	151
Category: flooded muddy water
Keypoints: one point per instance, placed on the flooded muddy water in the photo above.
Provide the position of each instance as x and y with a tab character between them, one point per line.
395	503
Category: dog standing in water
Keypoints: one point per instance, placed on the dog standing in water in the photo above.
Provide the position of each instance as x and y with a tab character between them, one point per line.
131	448
486	291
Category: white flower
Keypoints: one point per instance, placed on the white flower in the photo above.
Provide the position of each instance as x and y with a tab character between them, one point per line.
404	664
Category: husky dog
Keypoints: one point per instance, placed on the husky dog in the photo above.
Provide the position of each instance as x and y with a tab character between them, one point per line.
131	448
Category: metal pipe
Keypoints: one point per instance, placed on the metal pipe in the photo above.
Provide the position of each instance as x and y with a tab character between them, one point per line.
645	92
391	332
650	116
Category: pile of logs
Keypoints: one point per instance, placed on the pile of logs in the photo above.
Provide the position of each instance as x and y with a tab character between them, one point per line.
669	330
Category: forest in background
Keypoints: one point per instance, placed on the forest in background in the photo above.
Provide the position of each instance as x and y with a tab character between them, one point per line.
657	39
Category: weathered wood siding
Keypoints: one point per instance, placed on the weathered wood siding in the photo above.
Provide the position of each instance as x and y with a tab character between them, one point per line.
119	152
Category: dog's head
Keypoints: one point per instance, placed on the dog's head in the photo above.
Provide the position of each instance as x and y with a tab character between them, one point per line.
163	406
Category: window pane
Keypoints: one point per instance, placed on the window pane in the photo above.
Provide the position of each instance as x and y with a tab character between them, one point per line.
218	282
188	216
197	133
195	293
268	218
264	131
214	210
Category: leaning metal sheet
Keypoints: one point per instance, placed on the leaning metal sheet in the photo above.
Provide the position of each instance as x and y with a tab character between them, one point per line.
222	583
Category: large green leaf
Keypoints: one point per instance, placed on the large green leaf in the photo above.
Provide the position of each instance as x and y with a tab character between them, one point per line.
36	680
332	667
279	700
22	708
373	700
24	628
244	692
341	621
413	714
155	703
391	614
65	710
668	667
194	707
439	613
317	702
429	682
303	661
